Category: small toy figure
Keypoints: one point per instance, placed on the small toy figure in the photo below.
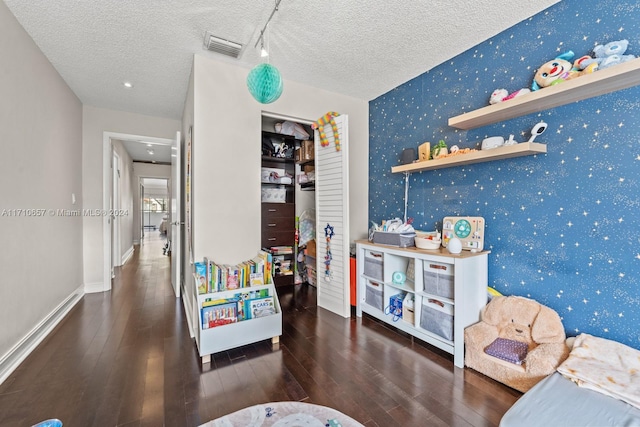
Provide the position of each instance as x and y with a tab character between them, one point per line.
560	69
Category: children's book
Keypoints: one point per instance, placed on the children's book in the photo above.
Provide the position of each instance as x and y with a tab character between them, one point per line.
201	277
260	307
207	266
257	279
233	279
222	312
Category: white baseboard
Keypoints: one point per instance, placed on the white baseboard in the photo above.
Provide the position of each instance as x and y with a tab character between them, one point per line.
92	288
10	361
127	255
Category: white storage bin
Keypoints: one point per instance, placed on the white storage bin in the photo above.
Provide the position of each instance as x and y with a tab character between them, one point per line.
438	279
274	194
373	264
436	318
270	174
373	295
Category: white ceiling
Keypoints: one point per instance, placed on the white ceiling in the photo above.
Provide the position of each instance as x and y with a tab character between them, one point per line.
148	151
358	48
155	183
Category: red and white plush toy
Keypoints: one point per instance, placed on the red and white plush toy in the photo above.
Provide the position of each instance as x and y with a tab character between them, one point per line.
500	95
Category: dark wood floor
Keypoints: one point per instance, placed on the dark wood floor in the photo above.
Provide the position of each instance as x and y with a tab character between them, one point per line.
125	358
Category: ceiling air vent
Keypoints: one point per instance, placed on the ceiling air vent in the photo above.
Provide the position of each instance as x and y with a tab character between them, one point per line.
219	45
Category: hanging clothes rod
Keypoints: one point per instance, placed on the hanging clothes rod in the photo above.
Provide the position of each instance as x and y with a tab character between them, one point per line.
406	194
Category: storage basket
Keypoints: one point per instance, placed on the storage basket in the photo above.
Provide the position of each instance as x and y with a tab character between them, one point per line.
310	267
274	194
438	280
437	319
408	314
373	265
403	240
373	295
268	174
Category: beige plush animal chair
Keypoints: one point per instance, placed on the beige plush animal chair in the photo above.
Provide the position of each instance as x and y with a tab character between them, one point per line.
519	319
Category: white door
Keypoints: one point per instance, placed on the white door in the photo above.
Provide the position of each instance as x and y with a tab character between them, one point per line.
332	220
176	217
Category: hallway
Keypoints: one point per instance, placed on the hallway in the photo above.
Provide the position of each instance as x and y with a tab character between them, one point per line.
117	359
125	358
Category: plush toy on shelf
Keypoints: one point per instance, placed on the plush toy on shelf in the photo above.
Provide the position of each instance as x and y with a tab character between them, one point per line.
609	54
500	95
560	69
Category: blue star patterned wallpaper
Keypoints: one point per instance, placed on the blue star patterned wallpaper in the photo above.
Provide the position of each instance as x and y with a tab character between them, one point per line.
563	227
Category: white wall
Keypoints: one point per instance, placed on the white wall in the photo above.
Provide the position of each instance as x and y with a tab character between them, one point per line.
187	122
144	170
95	122
226	150
40	168
126	201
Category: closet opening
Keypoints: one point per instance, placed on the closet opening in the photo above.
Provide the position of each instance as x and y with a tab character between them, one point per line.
289	203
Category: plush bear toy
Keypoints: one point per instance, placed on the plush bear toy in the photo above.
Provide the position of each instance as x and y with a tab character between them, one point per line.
560	69
609	54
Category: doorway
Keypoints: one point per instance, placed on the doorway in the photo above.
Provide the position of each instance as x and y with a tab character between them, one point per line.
330	201
127	157
294	224
154	208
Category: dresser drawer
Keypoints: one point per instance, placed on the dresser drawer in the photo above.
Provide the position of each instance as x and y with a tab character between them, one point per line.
270	210
277	238
271	224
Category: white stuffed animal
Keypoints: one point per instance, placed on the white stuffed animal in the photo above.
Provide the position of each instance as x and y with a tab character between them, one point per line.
500	95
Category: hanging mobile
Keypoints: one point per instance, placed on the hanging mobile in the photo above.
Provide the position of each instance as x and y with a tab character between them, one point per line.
328	234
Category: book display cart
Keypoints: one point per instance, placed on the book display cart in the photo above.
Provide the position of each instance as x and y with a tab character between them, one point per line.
430	294
225	337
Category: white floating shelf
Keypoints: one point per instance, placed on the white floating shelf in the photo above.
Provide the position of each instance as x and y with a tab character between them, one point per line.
480	156
618	77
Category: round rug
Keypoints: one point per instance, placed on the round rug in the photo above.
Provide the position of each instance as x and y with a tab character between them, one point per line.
281	414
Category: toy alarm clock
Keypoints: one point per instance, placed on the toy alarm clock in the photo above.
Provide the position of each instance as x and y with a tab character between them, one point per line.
468	229
398	277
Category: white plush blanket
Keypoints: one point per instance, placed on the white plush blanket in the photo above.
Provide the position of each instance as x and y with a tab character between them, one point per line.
605	366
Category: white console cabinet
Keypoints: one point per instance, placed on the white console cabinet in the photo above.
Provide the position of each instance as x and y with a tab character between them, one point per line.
448	291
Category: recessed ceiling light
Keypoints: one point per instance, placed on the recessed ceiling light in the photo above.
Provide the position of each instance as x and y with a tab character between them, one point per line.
149	145
150	152
128	85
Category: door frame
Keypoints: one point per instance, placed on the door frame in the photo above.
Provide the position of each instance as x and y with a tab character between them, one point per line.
147	191
116	256
107	179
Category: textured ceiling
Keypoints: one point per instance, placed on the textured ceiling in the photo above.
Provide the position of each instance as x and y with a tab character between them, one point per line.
358	48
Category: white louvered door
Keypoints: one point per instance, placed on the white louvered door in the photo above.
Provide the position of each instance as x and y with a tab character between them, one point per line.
332	208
